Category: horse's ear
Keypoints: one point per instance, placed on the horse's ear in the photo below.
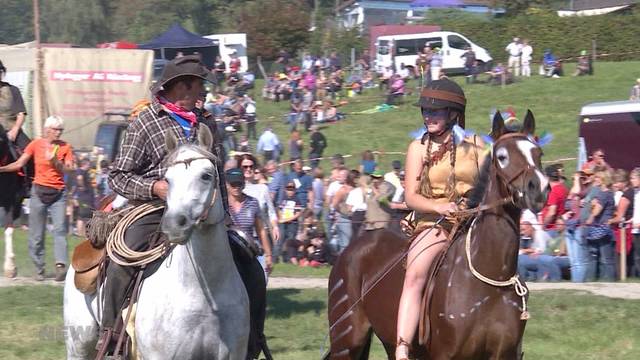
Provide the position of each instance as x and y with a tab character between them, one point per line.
497	128
170	140
529	125
205	138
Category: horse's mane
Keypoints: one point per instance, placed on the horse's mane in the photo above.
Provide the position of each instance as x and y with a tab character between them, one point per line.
173	155
480	186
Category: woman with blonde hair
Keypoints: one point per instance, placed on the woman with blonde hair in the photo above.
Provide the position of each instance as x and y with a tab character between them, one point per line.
599	235
52	157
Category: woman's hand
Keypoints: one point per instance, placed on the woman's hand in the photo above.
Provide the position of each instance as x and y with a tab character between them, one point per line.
446	209
275	233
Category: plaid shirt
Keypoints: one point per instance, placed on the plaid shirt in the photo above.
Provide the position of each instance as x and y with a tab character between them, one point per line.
139	162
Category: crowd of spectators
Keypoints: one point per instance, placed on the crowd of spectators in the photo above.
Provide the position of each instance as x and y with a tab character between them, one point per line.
579	232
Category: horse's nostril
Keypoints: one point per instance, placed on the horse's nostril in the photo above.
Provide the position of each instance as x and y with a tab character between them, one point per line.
182	220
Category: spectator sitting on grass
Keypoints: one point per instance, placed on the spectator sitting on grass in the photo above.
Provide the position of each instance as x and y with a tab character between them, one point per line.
404	72
396	90
317	252
533	263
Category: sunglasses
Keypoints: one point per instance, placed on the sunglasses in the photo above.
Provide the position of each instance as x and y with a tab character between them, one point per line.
432	113
247	166
58	129
236	185
291	189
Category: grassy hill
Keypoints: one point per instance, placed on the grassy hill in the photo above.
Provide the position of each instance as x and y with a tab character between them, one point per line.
554	102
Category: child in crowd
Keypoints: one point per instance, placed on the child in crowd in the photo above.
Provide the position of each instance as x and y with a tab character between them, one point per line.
289	211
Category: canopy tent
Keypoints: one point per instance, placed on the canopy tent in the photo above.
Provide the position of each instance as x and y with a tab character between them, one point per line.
178	39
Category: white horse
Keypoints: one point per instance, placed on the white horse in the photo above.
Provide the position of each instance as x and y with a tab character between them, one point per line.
195	305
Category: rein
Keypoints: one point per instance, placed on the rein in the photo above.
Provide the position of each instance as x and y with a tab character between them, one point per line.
514	280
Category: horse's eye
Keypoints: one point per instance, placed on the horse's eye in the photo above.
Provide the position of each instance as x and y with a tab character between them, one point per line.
502	158
206	177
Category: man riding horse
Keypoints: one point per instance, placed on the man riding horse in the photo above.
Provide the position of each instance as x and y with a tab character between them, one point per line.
139	170
440	171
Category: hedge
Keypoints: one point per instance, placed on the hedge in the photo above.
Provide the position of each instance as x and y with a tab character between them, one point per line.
615	34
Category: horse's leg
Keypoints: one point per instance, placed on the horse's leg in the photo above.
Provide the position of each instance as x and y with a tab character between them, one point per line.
80	326
10	269
351	331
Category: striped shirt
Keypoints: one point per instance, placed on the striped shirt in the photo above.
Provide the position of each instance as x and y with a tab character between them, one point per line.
139	162
245	218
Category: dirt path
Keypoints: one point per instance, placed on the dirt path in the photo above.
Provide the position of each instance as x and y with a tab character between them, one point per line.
613	290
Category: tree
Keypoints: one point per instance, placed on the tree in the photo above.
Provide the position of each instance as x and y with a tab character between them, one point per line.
518	7
16	21
80	22
272	25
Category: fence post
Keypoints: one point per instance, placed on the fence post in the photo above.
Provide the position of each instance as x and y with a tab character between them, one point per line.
623	251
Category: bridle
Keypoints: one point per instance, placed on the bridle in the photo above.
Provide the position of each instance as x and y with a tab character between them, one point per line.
187	162
521	174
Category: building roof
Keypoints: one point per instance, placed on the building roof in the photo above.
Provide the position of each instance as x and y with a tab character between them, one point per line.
346	3
581	5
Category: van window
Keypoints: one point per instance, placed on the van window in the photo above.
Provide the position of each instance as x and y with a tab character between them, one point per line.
383	47
457	42
433	42
406	47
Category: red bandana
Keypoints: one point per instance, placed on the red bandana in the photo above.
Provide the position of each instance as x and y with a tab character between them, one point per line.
178	110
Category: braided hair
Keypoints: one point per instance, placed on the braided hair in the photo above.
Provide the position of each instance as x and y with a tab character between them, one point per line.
433	159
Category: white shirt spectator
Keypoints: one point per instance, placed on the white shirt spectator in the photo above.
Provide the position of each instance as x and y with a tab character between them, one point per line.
514	49
527	51
332	190
261	192
268	141
540	237
404	73
355	199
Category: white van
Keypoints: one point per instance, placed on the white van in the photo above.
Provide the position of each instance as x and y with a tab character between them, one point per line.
393	50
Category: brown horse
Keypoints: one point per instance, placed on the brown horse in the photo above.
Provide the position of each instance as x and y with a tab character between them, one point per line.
473	314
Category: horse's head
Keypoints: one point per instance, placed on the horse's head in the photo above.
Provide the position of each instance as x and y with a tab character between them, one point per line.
193	197
516	160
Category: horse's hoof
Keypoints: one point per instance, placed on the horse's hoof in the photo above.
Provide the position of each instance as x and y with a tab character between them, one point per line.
10	273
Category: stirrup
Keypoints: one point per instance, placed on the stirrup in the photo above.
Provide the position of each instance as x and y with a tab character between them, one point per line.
403	342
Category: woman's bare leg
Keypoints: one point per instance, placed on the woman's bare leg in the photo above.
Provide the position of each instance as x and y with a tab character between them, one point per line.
423	252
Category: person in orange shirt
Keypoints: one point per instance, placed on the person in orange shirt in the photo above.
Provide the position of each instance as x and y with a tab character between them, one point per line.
53	157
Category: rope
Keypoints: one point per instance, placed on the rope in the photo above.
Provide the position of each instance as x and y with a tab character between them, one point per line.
118	250
520	289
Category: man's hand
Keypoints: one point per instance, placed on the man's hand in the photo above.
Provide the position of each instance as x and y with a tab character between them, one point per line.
160	189
275	233
269	263
12	134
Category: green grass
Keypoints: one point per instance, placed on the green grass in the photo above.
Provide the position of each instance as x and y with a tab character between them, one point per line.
555	103
564	325
289	270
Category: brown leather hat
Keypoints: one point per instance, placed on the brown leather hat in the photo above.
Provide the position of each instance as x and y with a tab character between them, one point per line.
189	65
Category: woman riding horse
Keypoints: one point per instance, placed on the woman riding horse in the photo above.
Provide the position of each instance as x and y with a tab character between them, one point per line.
439	172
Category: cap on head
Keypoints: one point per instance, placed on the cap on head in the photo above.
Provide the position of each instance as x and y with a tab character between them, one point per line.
189	65
234	176
377	174
396	165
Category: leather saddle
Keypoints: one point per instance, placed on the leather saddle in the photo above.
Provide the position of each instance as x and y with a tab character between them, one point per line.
87	262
